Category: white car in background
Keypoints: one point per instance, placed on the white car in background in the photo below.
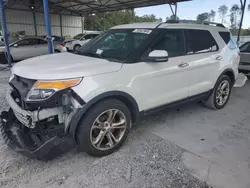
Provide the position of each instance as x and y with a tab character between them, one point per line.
79	40
30	47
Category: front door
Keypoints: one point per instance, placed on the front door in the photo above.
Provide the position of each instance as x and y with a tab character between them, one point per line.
163	82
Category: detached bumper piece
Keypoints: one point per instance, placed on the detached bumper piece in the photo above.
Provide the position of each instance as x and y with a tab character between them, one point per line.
44	143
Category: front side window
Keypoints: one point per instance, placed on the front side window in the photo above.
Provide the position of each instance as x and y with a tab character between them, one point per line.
172	41
245	47
78	37
116	44
23	43
200	41
27	42
86	37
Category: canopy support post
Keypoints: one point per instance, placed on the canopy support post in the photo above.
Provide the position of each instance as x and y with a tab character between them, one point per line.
48	26
243	7
5	33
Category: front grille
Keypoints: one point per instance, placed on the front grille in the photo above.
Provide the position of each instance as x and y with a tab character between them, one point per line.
21	86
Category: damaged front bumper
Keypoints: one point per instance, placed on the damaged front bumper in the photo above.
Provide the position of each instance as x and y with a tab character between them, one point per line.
42	132
32	143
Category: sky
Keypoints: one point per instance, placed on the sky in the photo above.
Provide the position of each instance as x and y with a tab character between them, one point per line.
190	9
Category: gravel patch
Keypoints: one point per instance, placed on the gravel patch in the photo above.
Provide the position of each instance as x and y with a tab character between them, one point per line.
145	161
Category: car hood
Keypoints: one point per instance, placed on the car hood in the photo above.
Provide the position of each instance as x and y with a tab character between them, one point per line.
63	66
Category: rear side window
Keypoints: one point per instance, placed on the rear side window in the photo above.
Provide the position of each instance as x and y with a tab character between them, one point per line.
42	41
200	41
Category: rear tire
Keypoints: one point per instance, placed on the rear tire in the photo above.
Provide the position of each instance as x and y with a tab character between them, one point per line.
221	93
104	128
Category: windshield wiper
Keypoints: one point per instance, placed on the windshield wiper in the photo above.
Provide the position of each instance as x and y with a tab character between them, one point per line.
91	54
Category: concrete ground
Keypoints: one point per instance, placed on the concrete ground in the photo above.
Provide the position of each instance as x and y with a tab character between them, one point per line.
218	142
185	147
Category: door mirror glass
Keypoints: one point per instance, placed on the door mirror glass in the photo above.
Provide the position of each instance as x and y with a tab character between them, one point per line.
158	56
15	45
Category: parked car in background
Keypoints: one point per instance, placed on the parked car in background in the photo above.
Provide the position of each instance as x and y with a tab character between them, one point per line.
29	47
244	66
57	39
79	40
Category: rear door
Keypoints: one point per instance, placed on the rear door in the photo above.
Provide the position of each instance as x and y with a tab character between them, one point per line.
203	60
42	47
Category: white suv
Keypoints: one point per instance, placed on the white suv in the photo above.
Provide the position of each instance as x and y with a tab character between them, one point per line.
95	96
81	39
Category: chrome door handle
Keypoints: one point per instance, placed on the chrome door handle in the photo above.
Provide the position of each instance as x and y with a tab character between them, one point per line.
219	57
182	65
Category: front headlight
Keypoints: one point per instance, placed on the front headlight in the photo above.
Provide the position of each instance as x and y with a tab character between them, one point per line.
43	90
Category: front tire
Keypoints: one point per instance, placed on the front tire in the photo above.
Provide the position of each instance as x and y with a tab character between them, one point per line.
77	47
221	93
104	128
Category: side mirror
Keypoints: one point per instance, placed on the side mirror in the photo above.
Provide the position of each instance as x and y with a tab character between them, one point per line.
83	39
15	45
158	56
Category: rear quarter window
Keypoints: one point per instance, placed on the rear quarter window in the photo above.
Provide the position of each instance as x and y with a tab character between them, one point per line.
228	39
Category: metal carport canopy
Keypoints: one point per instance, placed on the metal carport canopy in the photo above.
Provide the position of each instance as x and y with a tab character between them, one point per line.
79	7
94	6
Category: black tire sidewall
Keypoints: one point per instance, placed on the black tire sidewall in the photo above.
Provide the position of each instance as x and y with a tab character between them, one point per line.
221	79
84	128
77	45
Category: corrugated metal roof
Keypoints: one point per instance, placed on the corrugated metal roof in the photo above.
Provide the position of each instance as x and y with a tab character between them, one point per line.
94	6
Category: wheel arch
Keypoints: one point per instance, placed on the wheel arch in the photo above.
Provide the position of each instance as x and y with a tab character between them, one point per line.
77	44
230	73
126	98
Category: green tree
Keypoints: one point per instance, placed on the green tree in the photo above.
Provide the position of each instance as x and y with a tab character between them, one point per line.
203	17
212	15
110	19
223	9
172	17
235	11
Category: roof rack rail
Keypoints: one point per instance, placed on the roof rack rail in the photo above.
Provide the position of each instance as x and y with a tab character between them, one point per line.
196	22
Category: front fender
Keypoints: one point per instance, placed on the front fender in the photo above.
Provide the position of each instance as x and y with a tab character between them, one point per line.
124	97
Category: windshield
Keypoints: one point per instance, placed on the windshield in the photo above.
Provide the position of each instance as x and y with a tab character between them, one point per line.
77	37
116	44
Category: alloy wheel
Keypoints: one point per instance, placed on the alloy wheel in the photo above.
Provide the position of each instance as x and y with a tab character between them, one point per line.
223	92
108	129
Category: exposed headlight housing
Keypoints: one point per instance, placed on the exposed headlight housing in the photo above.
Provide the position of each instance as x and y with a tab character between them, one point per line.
43	90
